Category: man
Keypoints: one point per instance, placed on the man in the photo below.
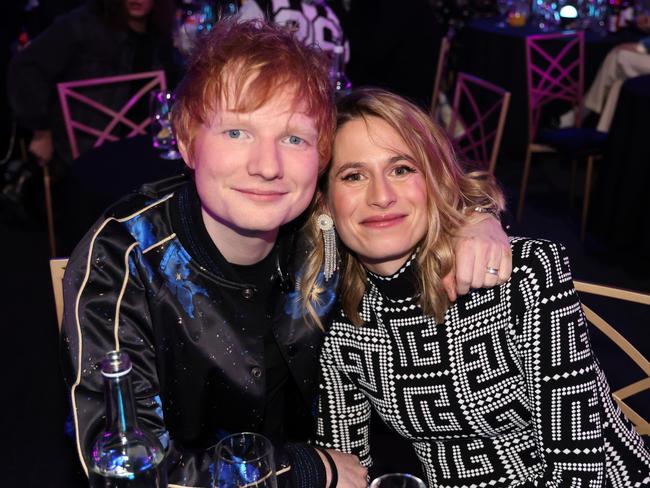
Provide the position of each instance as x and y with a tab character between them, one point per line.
193	277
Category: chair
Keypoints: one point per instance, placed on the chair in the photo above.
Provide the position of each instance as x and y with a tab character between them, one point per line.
555	73
480	108
441	69
108	123
622	394
114	116
57	269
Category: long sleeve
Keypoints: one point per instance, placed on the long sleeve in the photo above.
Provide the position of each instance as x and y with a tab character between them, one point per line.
111	299
107	308
343	411
560	370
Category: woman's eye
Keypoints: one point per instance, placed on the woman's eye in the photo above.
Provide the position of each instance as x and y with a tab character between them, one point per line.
234	133
295	140
403	170
352	177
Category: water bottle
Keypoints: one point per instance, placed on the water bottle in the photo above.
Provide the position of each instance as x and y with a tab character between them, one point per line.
124	455
340	83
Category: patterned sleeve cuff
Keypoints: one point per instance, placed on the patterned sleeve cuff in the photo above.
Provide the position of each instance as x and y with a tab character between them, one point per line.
307	470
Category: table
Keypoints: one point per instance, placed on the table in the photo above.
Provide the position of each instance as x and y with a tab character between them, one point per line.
620	213
101	176
498	54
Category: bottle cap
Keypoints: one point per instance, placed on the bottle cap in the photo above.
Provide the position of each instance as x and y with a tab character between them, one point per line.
116	364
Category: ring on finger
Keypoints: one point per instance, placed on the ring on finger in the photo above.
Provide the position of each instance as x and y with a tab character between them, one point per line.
492	271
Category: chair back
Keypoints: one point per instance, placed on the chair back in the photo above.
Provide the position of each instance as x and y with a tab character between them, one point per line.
441	69
479	109
555	71
638	386
115	122
57	269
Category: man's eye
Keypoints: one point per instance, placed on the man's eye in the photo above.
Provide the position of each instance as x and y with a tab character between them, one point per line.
234	133
295	140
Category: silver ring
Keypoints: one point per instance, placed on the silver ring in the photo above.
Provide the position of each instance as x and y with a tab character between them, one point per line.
492	271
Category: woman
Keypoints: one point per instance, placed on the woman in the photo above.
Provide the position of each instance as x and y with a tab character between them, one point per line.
499	388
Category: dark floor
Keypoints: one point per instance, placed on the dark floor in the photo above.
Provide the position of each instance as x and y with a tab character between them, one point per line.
41	455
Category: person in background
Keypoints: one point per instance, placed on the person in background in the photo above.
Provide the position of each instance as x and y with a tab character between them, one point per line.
499	388
195	277
625	61
313	20
100	38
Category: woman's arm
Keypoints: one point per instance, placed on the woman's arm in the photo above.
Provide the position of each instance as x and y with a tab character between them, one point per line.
559	366
343	422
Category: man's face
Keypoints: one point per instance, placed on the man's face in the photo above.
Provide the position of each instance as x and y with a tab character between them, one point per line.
255	171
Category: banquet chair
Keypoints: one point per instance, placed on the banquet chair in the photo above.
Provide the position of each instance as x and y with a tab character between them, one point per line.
57	269
441	69
115	118
555	76
100	122
622	395
480	109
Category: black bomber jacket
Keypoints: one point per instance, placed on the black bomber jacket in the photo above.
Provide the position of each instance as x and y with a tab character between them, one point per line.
137	282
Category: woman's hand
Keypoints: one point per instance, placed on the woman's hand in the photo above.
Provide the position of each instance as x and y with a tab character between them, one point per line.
350	472
483	256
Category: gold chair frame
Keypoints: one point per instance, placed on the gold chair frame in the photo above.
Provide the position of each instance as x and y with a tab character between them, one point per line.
642	425
57	270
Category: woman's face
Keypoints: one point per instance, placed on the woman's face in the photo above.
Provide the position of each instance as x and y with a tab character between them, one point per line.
377	194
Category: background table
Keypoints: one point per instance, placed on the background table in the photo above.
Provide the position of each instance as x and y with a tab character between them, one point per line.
103	175
620	211
498	54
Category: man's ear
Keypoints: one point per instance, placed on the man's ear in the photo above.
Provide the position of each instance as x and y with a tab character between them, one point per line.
182	148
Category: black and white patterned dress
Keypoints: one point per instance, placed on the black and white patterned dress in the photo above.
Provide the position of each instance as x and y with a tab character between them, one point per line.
506	392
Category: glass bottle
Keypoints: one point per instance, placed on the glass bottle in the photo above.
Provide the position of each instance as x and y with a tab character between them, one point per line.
340	83
124	455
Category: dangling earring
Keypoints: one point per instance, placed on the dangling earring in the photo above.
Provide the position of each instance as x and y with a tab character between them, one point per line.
326	225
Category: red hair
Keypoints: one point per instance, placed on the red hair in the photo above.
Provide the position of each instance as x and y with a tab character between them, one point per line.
246	64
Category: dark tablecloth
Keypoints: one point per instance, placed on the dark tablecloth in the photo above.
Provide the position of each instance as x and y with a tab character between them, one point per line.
620	213
100	177
498	54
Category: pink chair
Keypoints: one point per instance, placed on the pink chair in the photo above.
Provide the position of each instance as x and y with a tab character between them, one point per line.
115	117
441	71
478	116
113	121
555	72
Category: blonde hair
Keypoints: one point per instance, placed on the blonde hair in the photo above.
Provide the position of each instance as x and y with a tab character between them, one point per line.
449	192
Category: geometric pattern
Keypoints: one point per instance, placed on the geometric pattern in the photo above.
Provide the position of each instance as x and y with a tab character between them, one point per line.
505	392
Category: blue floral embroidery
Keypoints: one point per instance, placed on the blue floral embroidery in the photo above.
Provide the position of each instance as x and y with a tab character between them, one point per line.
142	230
175	268
164	435
322	302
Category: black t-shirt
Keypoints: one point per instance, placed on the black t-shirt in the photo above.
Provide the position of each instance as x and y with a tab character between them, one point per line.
259	277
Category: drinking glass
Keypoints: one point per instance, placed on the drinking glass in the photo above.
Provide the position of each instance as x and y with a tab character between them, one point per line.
245	460
397	480
162	134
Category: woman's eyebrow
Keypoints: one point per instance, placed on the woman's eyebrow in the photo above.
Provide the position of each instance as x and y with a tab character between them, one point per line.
350	165
400	157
